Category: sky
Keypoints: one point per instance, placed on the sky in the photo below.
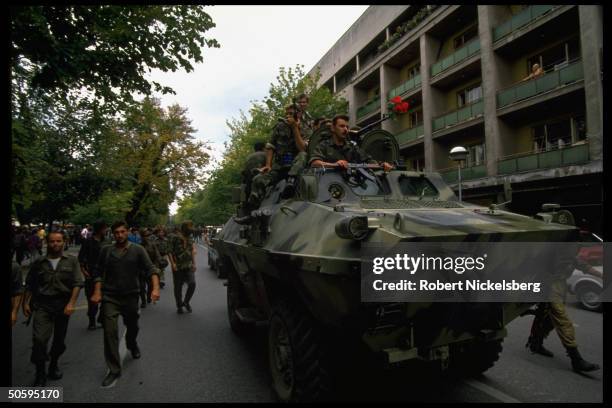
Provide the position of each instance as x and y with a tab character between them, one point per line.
255	42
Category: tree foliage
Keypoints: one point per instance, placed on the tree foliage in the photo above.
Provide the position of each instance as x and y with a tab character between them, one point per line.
78	134
212	205
105	49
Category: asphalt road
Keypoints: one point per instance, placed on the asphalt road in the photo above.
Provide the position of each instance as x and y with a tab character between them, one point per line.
196	358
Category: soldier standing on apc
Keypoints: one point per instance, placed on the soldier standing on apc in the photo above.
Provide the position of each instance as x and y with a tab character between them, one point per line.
52	285
118	273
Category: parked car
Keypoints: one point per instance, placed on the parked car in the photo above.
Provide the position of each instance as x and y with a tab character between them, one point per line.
586	287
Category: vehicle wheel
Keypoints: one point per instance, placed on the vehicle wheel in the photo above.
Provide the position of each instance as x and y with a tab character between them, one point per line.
473	358
235	300
221	274
297	356
589	296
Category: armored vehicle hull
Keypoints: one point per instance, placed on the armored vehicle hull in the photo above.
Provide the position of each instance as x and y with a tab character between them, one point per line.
296	267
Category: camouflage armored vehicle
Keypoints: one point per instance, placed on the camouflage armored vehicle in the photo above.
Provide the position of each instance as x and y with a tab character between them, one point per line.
295	267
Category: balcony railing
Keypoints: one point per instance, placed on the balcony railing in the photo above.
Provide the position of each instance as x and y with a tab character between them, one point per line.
408	135
577	154
409	85
547	82
521	19
468	173
468	112
369	107
462	53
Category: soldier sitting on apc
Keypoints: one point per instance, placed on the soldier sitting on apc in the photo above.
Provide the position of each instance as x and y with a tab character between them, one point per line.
288	149
338	151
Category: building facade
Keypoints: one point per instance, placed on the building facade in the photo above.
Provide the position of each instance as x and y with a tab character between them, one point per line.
468	73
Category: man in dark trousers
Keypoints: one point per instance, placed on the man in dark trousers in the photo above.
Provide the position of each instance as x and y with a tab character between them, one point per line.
117	285
52	287
182	261
88	256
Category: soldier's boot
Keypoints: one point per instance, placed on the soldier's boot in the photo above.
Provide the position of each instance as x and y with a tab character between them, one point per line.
536	346
578	363
54	372
92	323
41	376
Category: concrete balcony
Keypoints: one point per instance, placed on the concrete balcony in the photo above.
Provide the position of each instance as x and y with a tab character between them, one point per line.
468	173
373	105
407	136
548	82
525	17
453	120
577	154
462	54
407	87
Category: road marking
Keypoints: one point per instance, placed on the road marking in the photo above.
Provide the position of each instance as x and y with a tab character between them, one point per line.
493	392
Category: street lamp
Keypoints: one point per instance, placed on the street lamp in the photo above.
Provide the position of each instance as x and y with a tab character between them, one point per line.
459	154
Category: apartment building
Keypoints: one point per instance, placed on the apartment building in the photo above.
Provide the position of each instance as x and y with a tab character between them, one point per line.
465	69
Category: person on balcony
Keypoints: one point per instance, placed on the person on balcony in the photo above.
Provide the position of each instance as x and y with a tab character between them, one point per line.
536	72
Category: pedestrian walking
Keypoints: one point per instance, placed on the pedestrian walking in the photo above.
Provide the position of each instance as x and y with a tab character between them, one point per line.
52	287
88	257
117	286
183	264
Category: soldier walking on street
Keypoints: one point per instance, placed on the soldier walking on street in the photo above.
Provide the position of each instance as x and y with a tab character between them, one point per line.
153	252
88	257
117	285
183	264
52	287
553	315
161	241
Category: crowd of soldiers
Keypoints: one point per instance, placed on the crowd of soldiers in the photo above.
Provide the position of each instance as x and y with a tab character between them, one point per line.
285	154
117	275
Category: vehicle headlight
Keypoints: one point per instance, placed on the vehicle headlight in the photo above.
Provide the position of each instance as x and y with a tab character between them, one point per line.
353	227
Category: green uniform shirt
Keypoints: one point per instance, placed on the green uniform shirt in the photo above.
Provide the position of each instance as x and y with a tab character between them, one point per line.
330	152
181	249
152	251
42	280
120	271
283	144
162	245
254	160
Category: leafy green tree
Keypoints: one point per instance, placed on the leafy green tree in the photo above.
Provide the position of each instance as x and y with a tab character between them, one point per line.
106	50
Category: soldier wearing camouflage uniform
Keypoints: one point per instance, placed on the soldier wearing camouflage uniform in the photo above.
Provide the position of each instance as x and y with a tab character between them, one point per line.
339	151
253	163
162	243
285	156
553	315
182	261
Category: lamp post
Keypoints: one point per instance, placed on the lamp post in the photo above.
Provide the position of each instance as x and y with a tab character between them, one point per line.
458	154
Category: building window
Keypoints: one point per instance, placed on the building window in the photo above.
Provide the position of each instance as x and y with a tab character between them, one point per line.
414	71
559	134
469	95
557	56
416	118
464	38
476	156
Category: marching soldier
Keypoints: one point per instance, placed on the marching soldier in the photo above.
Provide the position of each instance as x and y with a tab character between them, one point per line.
183	264
52	287
88	256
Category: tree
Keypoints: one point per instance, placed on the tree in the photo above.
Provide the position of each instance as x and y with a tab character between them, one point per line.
105	50
213	205
159	156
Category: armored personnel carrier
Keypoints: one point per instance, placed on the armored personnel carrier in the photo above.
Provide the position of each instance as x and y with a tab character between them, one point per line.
295	268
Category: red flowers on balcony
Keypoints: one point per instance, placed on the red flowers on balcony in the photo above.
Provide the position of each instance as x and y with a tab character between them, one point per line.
397	105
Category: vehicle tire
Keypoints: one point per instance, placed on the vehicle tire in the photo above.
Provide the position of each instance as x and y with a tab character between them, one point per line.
235	300
589	296
473	358
221	274
297	356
